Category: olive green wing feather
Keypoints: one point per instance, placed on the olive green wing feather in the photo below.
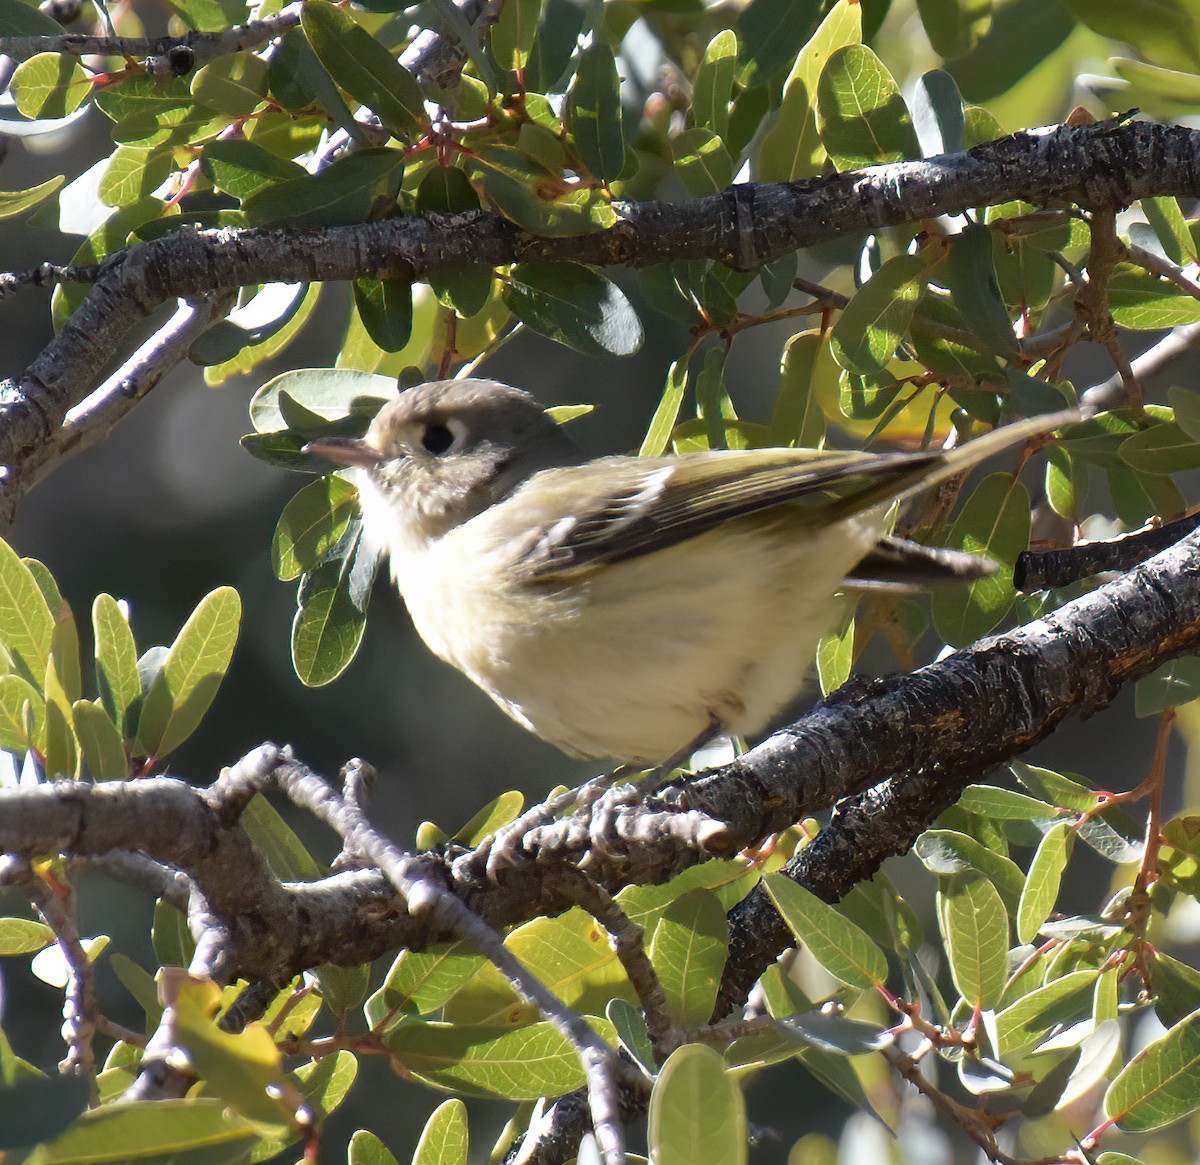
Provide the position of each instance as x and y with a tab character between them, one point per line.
625	507
638	506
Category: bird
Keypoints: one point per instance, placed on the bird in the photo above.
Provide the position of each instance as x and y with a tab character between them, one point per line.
630	607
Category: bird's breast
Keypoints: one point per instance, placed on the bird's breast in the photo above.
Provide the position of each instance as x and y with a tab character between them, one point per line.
633	659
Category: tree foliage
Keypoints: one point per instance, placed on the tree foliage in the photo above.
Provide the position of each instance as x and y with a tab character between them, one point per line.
1003	1003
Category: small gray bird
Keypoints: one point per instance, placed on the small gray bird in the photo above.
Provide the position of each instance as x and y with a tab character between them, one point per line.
629	607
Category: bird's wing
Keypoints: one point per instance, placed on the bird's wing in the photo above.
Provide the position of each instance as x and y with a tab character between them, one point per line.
628	506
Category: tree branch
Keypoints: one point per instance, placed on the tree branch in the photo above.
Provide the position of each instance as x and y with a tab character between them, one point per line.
1104	165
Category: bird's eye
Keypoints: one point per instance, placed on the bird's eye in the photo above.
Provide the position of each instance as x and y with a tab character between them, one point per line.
437	438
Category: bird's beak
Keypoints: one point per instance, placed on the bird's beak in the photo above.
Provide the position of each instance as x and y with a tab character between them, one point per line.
345	451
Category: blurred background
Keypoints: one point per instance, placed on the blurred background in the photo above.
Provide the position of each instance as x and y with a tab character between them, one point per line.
171	507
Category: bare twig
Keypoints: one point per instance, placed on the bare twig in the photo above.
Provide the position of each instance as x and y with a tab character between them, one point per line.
627	941
1092	301
426	894
94	418
58	907
161	56
1109	394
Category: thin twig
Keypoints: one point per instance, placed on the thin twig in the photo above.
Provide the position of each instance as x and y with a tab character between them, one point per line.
95	417
57	905
1092	302
627	941
1109	394
160	55
425	894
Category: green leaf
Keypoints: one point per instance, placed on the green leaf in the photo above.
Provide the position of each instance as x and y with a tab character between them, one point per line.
385	308
1164	31
702	161
50	85
367	1149
22	715
1059	1003
971	279
142	97
998	804
344	193
26	622
323	1085
37	1108
61	752
182	691
1161	449
807	367
574	305
329	394
520	1064
995	522
697	1112
14	202
1042	881
658	434
947	853
284	852
773	31
1161	1084
1111	832
513	182
1173	684
689	949
1144	302
792	147
116	661
861	116
835	658
134	173
17	19
23	936
495	814
233	85
197	1131
101	743
1024	34
975	929
712	89
573	959
422	981
241	168
363	67
244	1069
594	112
445	1139
1170	228
630	1026
955	27
874	321
514	33
331	615
311	525
842	947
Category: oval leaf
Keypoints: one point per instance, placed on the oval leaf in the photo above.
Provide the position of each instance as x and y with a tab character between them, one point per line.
697	1112
182	691
842	947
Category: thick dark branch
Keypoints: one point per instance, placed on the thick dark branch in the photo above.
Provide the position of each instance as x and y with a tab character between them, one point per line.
973	709
929	734
943	724
1105	165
